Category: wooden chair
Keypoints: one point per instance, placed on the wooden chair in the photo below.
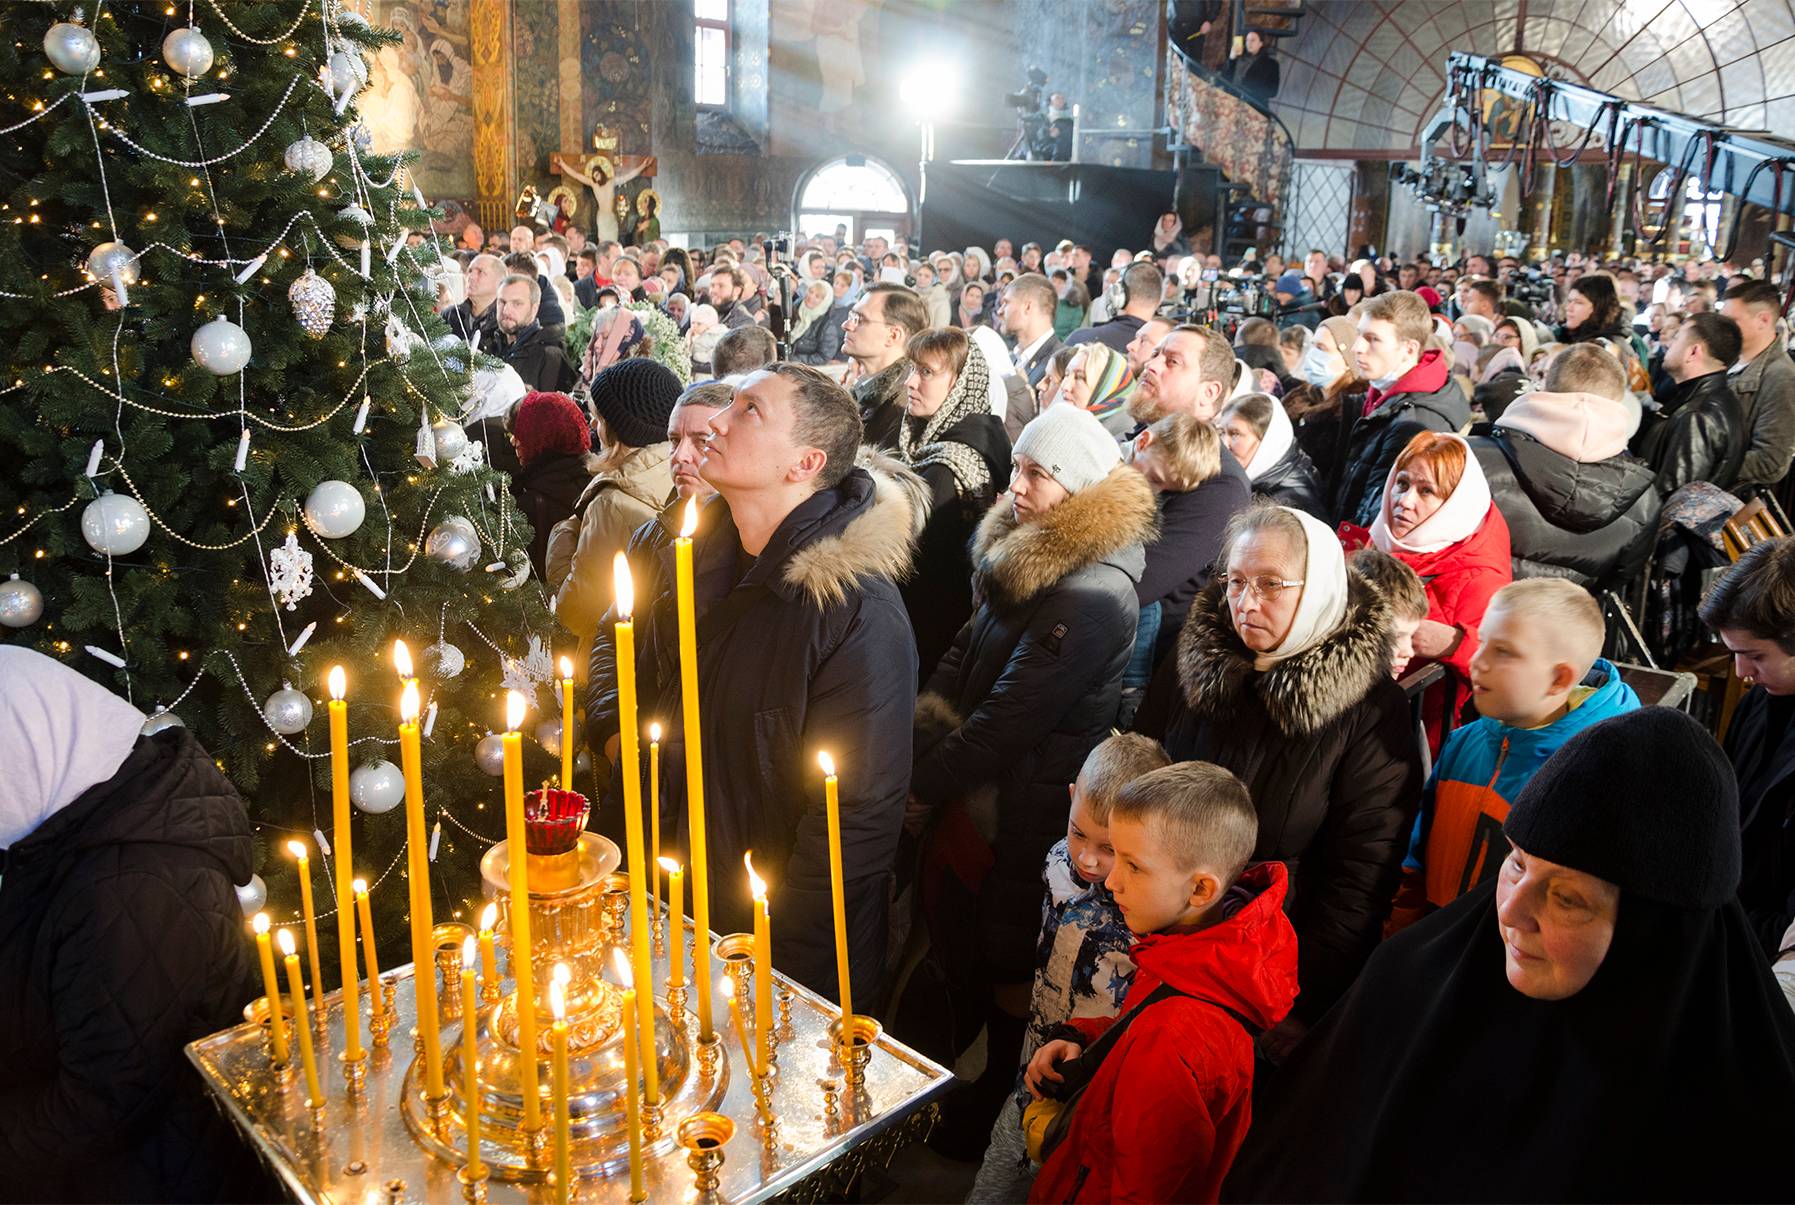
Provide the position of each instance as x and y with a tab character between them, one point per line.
1751	524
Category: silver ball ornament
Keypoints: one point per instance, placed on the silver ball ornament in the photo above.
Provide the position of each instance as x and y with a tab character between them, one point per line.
159	720
287	711
376	788
188	52
348	71
72	49
314	303
454	543
335	509
253	895
109	259
115	524
548	735
582	762
309	157
443	660
489	755
21	603
221	347
451	440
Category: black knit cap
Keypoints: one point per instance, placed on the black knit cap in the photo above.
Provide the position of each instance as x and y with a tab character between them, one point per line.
635	398
1646	800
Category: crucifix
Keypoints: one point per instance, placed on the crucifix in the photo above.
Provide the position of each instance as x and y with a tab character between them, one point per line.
602	171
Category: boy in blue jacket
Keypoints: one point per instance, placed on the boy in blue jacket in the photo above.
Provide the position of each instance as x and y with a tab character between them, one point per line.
1537	679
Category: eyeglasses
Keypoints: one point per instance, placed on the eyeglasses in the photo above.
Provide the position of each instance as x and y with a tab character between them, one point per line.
856	318
1264	588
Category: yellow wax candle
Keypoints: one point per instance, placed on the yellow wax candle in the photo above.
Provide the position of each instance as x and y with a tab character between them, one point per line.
489	959
417	861
297	849
339	798
654	818
557	1002
517	856
635	1053
301	1021
763	961
277	1022
567	724
676	921
832	803
688	681
470	1056
741	1031
367	940
625	637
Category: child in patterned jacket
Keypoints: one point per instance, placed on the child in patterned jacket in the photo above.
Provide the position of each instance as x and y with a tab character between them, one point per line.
1082	967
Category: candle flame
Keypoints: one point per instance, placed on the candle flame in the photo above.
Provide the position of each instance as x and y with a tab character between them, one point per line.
408	702
468	953
567	667
561	974
728	986
259	923
654	733
402	659
757	886
297	850
285	937
360	886
338	682
514	710
669	865
827	763
489	918
557	1001
625	978
626	588
690	525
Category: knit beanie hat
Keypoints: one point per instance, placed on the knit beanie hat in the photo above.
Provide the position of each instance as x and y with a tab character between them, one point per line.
1645	800
549	422
1071	444
1346	333
635	398
1430	296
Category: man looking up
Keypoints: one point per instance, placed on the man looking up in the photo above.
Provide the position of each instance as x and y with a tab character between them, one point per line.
874	334
1191	372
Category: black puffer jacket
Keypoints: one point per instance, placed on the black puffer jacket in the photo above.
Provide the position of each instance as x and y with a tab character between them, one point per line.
1292	482
547	490
1324	745
1698	435
538	357
121	940
1374	440
1032	684
1591	523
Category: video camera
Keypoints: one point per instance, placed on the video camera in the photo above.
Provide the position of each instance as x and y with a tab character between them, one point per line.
1224	301
1043	135
1028	97
1535	289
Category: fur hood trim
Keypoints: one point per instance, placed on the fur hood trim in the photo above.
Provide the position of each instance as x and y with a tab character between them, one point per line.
1302	695
1014	562
880	542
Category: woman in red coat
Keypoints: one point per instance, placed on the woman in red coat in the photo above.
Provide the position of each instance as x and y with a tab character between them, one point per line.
1438	518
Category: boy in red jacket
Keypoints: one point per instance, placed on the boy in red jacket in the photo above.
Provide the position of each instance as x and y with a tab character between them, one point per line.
1169	1104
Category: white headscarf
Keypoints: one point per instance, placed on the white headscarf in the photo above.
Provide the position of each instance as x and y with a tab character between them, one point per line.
552	262
1459	516
1276	441
59	735
492	392
999	364
1322	607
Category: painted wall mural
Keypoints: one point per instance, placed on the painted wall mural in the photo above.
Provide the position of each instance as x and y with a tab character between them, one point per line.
421	93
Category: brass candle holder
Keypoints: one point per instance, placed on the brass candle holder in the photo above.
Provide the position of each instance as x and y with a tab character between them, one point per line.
736	952
676	1005
857	1050
473	1187
614	898
704	1135
355	1073
831	1115
710	1057
445	941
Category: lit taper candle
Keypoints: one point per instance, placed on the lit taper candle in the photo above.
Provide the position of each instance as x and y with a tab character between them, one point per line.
301	1022
339	799
417	865
303	860
567	724
625	640
277	1021
694	754
832	804
763	963
518	858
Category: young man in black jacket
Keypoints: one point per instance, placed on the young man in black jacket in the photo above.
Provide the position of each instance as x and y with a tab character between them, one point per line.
1698	433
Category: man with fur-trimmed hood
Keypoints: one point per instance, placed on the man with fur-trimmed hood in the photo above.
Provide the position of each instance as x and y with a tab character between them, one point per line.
804	646
1031	685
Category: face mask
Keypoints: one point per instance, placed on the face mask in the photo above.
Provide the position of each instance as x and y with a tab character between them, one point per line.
1383	383
1320	369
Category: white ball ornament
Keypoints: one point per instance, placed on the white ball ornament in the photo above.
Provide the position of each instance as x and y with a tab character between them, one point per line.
253	895
310	158
221	347
314	304
111	258
287	711
72	49
451	440
160	719
548	735
21	603
489	754
443	660
376	788
335	509
115	524
188	52
348	71
454	543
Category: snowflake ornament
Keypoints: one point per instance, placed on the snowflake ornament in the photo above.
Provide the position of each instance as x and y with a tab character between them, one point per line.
290	573
472	460
525	674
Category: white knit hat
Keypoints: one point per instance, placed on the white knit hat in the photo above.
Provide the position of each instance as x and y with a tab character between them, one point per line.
1071	444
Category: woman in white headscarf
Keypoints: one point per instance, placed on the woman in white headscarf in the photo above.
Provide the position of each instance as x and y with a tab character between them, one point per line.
1007	386
121	940
1282	675
817	337
1259	433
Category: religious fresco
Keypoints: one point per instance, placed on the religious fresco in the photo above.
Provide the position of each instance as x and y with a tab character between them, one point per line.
819	52
421	93
535	90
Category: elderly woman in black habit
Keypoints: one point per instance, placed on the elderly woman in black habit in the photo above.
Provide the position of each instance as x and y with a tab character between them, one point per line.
1594	1023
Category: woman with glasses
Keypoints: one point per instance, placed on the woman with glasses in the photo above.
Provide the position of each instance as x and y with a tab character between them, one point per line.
1281	675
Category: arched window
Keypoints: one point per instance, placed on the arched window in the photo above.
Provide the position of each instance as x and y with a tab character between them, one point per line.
853	191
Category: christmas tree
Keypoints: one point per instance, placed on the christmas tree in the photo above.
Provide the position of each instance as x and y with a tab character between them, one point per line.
229	422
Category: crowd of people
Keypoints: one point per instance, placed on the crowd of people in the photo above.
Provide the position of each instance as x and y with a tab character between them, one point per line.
1228	734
